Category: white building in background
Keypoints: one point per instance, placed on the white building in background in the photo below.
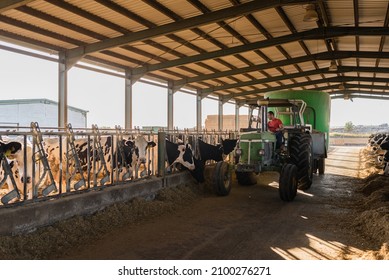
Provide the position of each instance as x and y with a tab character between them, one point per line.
21	112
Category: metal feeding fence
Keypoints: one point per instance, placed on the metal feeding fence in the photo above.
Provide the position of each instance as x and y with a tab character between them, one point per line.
55	162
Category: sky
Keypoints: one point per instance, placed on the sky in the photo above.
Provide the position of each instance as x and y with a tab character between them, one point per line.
103	96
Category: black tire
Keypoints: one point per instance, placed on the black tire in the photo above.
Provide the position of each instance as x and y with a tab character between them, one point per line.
222	179
246	178
321	166
301	154
288	182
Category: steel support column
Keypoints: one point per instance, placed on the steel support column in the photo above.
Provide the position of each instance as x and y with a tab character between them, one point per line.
170	101
198	112
220	114
128	101
237	107
62	91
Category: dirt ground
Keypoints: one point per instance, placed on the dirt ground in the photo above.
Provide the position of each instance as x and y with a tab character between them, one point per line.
345	215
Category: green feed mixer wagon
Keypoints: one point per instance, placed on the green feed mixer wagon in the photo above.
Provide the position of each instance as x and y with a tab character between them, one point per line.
305	117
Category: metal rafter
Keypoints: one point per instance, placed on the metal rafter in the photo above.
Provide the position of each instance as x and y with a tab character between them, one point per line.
282	63
356	23
341	69
314	34
343	79
6	5
178	26
161	8
125	12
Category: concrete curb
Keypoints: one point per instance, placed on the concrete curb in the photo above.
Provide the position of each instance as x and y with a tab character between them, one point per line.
27	218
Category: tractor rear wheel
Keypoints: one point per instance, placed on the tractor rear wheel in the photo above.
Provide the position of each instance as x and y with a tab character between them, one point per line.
245	178
288	182
222	179
301	154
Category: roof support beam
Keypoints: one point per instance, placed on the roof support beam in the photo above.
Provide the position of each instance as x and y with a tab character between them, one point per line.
319	56
6	5
341	69
313	34
173	27
313	82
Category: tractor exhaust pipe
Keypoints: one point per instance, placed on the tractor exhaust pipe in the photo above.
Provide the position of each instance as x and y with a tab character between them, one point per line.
263	118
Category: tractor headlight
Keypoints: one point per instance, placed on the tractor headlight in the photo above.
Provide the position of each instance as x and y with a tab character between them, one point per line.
285	135
238	152
261	152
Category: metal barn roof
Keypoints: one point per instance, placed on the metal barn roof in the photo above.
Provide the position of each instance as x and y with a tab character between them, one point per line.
235	49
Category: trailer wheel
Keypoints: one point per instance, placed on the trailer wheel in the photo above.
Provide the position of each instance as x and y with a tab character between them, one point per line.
322	166
288	182
222	179
245	178
301	154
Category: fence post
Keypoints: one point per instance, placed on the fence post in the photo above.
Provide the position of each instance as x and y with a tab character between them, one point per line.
161	153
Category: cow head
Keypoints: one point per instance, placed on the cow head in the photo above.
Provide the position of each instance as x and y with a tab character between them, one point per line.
10	149
142	144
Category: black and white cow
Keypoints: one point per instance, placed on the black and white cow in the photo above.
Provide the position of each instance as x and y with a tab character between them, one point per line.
180	156
218	152
133	156
183	154
8	150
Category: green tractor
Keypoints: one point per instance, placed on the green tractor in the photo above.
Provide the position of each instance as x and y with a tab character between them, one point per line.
302	151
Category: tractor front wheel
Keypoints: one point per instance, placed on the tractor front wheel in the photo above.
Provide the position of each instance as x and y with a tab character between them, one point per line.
222	179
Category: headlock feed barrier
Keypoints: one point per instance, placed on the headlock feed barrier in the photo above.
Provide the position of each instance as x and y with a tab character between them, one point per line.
38	164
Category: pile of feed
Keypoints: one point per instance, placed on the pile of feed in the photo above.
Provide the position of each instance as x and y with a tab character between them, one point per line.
52	241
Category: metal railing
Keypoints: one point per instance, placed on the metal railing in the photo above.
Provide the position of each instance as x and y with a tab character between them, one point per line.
56	162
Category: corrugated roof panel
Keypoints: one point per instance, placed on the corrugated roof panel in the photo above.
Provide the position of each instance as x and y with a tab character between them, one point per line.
367	62
217	5
35	36
340	12
253	57
197	40
215	64
244	27
366	75
134	55
372	13
141	8
273	53
108	14
257	75
346	43
382	75
301	80
349	62
167	75
369	43
34	21
184	9
384	62
113	59
296	14
234	61
272	22
316	46
294	49
74	18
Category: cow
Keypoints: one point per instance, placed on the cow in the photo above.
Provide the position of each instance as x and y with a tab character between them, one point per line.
183	154
19	165
218	152
8	150
180	156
